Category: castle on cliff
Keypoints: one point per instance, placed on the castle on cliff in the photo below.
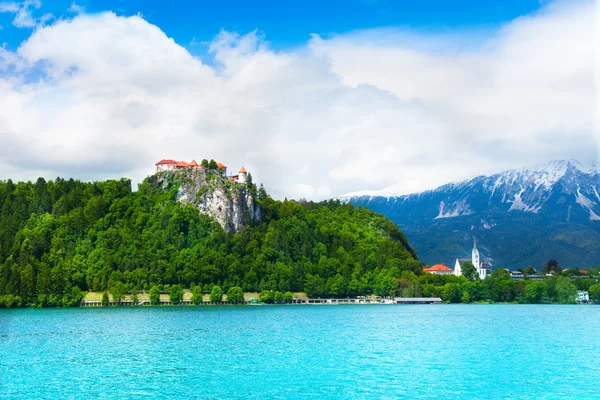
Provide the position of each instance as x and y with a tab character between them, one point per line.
172	165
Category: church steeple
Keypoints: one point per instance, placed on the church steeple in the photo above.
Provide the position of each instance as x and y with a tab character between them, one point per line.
475	255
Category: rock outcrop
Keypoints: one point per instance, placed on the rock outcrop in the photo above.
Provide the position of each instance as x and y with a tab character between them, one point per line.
231	204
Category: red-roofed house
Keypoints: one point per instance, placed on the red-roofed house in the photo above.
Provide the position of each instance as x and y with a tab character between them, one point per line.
165	165
222	167
439	269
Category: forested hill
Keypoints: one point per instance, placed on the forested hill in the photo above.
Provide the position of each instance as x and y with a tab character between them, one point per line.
61	238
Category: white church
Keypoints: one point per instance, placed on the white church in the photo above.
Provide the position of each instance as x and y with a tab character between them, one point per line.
484	268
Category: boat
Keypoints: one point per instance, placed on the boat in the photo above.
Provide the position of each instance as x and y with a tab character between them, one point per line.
254	302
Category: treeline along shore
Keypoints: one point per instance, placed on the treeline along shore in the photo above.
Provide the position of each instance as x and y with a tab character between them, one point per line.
62	239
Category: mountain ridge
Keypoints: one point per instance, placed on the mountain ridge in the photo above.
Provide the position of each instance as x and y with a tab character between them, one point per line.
558	196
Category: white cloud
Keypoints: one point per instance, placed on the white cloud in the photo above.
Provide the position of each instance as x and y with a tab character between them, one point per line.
358	111
76	8
9	7
23	13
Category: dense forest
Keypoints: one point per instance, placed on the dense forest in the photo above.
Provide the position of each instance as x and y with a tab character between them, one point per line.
62	238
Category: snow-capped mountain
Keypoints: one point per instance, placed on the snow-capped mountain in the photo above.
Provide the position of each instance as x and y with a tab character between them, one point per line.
561	196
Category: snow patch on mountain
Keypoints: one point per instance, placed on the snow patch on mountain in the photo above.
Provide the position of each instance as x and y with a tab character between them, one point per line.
596	192
458	209
519	204
487	225
588	204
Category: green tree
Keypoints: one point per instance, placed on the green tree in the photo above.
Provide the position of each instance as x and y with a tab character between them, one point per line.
267	296
314	286
535	292
385	284
278	297
216	295
154	295
452	293
288	297
498	287
118	291
594	292
566	292
213	165
176	294
197	297
105	298
413	290
466	297
469	271
235	295
204	163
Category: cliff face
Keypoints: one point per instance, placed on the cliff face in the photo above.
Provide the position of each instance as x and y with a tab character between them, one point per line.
229	203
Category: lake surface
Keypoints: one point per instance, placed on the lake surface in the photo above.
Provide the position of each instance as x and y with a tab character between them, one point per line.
294	352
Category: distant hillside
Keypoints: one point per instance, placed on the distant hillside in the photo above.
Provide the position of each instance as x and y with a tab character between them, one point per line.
61	238
520	217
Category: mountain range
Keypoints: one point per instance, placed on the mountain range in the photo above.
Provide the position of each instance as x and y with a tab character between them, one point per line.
520	217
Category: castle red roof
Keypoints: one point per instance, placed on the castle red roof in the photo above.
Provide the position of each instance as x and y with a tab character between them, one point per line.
221	165
182	164
166	162
437	267
242	170
193	163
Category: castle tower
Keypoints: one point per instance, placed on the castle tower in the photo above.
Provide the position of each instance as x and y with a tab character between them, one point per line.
475	256
242	175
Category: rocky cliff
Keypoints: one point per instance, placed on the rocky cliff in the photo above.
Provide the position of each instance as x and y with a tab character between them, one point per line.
233	205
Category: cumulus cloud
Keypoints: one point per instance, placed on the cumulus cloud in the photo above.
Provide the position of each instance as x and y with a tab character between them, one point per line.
6	7
76	8
24	13
100	96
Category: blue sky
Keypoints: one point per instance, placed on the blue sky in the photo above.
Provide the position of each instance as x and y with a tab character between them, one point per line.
286	23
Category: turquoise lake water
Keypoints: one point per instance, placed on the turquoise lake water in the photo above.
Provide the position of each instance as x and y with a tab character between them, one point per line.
297	352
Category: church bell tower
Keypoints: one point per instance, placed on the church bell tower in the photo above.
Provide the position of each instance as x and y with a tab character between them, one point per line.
475	255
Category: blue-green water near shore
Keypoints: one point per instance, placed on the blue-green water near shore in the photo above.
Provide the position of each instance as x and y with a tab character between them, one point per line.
296	352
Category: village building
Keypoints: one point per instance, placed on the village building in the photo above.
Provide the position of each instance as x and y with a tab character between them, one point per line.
517	275
166	165
438	269
483	268
583	296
